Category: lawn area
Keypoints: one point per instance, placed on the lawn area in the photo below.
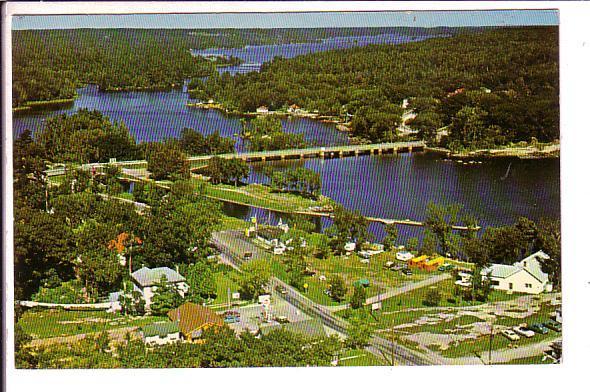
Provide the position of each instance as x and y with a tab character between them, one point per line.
262	196
359	357
231	223
49	323
535	360
414	299
225	280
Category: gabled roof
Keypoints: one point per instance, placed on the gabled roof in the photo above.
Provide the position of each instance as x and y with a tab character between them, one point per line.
150	277
192	317
530	264
161	329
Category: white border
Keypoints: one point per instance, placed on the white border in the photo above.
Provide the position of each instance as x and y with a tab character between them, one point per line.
574	67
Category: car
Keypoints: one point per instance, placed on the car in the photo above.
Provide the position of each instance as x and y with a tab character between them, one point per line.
364	261
539	328
389	264
522	330
552	324
407	271
282	319
248	256
510	334
446	267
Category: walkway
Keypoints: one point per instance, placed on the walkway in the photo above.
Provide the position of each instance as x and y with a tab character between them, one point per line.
395	291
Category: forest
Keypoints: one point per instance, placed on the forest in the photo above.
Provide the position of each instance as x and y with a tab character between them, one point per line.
487	87
49	65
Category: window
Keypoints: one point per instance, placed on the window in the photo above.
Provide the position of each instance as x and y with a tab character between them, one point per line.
510	285
495	283
528	285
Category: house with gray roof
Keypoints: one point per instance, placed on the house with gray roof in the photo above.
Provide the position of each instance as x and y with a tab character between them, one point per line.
147	280
525	276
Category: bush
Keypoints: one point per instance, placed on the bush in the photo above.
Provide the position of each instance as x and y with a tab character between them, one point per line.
67	293
432	298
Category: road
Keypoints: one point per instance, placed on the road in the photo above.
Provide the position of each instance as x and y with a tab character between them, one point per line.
232	246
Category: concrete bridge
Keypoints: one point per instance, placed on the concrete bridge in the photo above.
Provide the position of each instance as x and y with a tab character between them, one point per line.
196	162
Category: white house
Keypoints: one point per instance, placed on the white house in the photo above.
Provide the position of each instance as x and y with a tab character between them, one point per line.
146	281
524	276
262	110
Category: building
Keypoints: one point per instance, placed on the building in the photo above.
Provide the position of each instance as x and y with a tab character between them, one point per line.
146	281
194	319
525	276
262	110
433	264
293	109
160	333
417	262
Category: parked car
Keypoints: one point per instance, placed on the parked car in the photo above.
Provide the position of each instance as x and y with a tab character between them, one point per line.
364	261
539	328
522	330
407	271
248	256
282	319
389	264
510	334
446	267
552	324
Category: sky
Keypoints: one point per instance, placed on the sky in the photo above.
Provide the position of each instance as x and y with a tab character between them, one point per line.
292	20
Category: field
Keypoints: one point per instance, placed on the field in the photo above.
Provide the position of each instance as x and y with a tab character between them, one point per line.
42	324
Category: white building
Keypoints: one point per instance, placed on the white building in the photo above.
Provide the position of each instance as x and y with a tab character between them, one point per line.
146	281
262	110
524	276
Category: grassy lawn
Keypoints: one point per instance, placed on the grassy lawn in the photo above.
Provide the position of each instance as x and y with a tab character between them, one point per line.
262	196
414	298
359	357
225	280
535	360
49	323
231	223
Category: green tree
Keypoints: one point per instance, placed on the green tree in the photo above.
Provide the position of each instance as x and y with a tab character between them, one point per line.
359	333
359	297
432	297
166	297
337	288
429	243
390	238
167	162
549	240
201	280
255	276
101	272
439	219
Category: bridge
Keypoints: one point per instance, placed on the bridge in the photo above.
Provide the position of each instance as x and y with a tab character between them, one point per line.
329	152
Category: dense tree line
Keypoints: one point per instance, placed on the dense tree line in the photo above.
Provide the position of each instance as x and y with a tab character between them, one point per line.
51	64
220	348
300	180
489	87
229	171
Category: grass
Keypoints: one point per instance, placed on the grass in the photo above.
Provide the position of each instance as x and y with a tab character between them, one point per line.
231	223
534	360
263	197
225	280
360	358
50	323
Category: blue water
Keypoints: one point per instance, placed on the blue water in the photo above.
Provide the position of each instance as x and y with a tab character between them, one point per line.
156	115
254	56
387	186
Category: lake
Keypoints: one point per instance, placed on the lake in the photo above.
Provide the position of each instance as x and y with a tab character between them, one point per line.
384	186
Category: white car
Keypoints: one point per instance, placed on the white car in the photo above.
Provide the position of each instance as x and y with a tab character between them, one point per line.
404	256
510	334
521	330
365	261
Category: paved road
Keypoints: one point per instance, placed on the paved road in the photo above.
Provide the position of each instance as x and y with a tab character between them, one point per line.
225	241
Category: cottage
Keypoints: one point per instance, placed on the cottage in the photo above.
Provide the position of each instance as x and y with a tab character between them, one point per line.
262	110
160	333
417	262
294	109
432	264
524	276
146	281
194	319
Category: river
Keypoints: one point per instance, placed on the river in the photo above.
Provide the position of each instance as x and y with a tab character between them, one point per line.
385	186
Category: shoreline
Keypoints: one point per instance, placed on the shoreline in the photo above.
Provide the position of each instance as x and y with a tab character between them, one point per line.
32	105
529	152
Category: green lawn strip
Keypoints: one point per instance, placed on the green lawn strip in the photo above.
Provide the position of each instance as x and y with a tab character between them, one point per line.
231	223
261	196
359	357
534	360
225	281
57	322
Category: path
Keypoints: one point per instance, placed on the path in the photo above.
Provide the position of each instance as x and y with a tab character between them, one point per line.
395	291
114	334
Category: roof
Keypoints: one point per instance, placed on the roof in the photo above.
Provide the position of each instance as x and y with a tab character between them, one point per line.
437	260
161	329
312	328
151	277
530	264
420	258
192	317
